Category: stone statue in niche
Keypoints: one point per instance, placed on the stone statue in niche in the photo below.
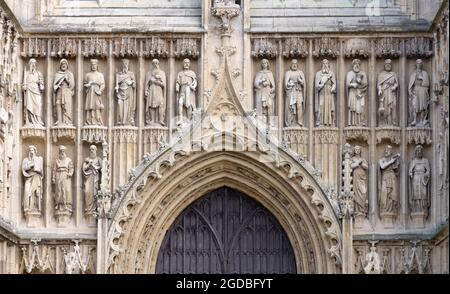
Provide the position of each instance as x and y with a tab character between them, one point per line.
294	85
186	85
265	91
126	95
155	95
33	172
91	172
63	88
94	82
62	180
419	174
359	174
419	97
33	85
388	186
387	87
325	91
356	94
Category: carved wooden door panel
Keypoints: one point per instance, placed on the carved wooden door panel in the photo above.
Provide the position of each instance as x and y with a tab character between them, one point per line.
226	232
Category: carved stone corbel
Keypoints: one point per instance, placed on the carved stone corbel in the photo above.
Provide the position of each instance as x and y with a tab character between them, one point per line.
125	47
63	48
95	47
155	48
357	48
327	48
295	48
264	48
187	48
34	47
388	48
419	47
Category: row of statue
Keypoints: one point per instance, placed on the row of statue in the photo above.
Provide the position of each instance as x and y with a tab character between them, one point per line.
356	87
63	170
388	184
264	84
94	85
62	173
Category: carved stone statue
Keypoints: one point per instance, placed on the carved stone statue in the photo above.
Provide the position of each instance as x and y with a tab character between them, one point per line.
419	174
91	172
387	86
62	180
94	82
419	97
126	95
33	85
265	91
373	264
63	87
294	84
155	94
357	94
186	86
325	91
359	174
33	172
389	194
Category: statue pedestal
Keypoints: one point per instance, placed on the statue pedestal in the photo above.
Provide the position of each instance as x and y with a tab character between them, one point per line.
60	132
388	219
62	218
419	135
33	218
30	131
153	135
391	134
418	219
357	133
94	134
297	139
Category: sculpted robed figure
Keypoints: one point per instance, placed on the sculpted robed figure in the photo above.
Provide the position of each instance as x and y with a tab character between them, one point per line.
388	187
265	91
33	172
419	97
33	85
325	91
387	86
155	94
126	96
185	87
62	180
294	84
63	91
94	83
357	94
419	174
91	173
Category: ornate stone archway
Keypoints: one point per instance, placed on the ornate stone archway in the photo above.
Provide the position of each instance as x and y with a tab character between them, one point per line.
167	185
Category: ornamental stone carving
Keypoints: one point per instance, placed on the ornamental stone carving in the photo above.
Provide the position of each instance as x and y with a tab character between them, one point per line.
325	92
155	48
326	48
419	96
126	95
95	47
186	87
63	91
155	95
94	84
62	173
187	48
419	193
418	47
357	84
125	47
91	173
387	87
295	48
264	48
33	86
33	173
265	92
34	47
63	48
388	48
389	196
294	85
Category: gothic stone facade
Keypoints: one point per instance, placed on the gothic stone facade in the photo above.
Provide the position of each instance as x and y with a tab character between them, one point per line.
115	130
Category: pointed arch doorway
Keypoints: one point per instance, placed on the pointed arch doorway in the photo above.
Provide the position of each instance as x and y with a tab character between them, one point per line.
226	232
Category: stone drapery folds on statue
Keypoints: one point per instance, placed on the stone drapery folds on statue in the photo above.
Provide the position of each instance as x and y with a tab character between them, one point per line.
186	86
388	190
294	87
360	182
387	88
419	96
325	92
62	173
63	92
264	85
94	83
33	173
33	86
356	86
155	95
91	173
125	90
419	174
